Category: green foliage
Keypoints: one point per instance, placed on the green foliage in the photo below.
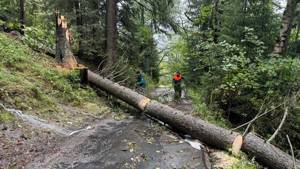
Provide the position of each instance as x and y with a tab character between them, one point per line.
259	15
39	39
178	49
204	111
141	51
235	76
204	15
7	14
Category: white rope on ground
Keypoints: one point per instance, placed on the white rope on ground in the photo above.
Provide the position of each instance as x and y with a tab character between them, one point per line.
40	123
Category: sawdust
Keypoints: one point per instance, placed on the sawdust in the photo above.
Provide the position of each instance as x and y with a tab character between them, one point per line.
222	160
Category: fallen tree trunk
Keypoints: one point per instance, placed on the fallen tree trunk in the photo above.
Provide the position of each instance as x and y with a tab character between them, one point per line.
267	154
208	133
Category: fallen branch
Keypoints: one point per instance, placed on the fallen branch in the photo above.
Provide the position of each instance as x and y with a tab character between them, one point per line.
280	125
257	117
259	112
292	151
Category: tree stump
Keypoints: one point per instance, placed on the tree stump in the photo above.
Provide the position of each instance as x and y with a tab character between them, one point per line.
64	54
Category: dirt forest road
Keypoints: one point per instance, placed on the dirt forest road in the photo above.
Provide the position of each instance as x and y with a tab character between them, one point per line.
135	142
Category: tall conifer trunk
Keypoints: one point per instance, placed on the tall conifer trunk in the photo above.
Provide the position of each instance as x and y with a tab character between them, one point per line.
79	23
111	31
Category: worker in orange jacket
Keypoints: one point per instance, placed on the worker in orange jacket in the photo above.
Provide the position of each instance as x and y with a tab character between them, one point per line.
177	83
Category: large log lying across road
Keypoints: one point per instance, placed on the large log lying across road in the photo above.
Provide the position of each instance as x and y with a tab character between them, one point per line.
208	133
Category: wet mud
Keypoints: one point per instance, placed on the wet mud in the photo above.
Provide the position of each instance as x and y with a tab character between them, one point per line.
134	143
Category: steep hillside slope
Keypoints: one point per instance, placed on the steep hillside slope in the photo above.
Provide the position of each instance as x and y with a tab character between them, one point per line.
33	83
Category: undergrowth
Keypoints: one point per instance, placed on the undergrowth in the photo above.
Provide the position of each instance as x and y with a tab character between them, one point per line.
202	110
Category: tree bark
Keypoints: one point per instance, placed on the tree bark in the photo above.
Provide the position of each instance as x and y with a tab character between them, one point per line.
78	12
22	16
287	19
197	128
111	31
267	154
64	53
208	133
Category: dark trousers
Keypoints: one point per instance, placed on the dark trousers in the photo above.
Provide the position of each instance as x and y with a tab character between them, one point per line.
178	91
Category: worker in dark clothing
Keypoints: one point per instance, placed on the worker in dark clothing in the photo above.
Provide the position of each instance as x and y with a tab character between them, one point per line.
141	82
177	83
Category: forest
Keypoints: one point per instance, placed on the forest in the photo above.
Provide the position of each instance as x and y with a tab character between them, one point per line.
239	62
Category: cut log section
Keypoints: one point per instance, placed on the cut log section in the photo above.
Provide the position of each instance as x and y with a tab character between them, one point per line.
208	133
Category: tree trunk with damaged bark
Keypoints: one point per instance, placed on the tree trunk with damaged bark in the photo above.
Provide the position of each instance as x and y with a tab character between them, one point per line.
286	26
210	134
64	54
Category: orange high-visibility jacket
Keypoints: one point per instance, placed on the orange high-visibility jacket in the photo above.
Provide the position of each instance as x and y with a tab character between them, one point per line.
177	77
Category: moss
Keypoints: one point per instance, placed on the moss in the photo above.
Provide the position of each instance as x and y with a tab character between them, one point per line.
6	116
243	164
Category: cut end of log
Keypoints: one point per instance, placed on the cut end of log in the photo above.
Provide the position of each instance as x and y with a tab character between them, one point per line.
237	145
143	103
